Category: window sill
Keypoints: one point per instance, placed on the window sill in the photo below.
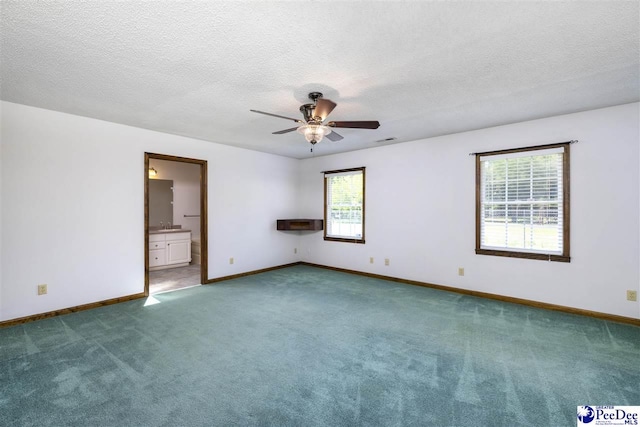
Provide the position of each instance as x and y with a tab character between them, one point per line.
343	239
526	255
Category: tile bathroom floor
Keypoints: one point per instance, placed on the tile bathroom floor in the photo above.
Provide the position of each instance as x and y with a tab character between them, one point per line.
174	278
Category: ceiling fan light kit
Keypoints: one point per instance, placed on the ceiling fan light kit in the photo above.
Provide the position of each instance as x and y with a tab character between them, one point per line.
314	133
313	128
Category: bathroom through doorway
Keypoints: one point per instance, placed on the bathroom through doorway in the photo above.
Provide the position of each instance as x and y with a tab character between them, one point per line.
175	205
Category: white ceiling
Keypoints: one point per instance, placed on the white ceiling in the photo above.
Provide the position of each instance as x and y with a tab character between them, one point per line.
421	68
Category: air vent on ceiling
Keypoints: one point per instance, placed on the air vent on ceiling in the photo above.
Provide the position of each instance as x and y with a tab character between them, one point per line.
393	138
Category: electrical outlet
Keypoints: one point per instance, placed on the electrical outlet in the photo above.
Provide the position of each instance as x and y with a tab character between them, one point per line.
370	260
231	260
460	271
632	295
295	250
42	289
386	261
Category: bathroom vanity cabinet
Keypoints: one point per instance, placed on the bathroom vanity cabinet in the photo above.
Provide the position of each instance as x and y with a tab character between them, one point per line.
169	249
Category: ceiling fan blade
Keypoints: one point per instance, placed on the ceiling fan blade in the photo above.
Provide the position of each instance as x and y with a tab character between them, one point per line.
324	107
334	136
277	115
280	132
360	125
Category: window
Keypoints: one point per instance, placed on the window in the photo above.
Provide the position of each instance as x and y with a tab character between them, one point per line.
522	203
344	205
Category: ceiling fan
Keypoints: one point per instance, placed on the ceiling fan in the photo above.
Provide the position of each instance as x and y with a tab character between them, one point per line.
313	127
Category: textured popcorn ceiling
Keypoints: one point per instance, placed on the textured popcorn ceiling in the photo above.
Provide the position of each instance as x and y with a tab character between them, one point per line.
421	68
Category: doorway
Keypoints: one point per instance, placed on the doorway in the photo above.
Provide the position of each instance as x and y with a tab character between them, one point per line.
175	237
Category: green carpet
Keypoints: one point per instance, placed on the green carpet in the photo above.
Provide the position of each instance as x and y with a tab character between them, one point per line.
306	346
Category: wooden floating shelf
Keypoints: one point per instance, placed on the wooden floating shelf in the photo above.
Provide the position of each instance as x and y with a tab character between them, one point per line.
300	224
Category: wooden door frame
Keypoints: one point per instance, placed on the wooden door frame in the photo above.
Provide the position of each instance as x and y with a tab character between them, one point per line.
204	258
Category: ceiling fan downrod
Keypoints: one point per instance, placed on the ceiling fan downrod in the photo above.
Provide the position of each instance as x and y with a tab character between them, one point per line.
314	96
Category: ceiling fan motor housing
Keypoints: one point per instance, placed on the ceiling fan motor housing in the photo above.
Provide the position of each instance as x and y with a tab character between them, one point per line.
307	111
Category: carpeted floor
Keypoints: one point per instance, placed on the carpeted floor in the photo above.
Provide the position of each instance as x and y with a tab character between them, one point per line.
312	347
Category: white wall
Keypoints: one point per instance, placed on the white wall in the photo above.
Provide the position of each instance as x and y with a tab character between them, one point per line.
429	186
73	208
186	192
1	222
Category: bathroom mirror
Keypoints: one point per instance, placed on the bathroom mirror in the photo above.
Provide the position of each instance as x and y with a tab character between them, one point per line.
160	202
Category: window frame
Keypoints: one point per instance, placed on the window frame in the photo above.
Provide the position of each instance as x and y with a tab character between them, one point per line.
566	209
326	175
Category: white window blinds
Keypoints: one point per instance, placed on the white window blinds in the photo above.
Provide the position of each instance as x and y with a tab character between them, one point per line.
521	201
